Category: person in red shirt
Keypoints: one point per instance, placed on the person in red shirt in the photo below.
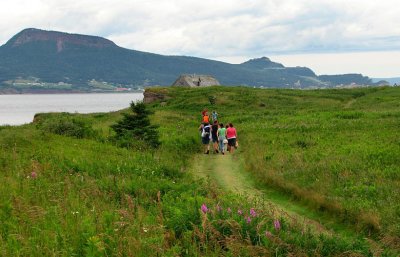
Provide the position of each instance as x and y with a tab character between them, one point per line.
231	135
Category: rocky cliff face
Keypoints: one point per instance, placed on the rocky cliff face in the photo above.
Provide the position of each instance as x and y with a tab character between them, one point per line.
60	38
152	95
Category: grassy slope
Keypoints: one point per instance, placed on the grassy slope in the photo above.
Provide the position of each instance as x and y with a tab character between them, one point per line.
92	198
337	150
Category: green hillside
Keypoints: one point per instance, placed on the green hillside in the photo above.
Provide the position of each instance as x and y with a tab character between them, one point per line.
316	174
38	60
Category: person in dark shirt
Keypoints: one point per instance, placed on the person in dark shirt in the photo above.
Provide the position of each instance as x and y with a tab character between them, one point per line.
214	136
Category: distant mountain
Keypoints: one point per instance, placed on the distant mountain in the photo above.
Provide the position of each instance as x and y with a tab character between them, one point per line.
38	60
262	63
346	79
391	81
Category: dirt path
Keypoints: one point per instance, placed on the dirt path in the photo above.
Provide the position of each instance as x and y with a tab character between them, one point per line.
350	103
228	173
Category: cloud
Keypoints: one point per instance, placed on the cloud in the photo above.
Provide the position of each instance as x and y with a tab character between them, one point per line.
374	64
211	29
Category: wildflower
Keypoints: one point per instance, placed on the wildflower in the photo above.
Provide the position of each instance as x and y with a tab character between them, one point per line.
248	220
219	208
268	234
277	224
33	174
253	212
229	210
204	208
240	212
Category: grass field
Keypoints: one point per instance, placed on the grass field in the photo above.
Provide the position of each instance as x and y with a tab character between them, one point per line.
79	194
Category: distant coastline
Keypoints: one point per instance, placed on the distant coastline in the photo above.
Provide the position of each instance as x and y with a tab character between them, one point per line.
50	92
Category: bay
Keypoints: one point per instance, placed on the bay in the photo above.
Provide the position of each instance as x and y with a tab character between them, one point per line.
20	109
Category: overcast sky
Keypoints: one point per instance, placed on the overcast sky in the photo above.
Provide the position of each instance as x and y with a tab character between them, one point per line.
329	36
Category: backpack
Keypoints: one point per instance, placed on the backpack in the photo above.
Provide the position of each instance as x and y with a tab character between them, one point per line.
206	131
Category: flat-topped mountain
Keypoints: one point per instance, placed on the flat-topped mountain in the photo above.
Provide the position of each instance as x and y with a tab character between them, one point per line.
39	60
36	35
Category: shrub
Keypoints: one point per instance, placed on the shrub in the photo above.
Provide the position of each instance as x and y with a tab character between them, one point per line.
137	126
212	100
67	125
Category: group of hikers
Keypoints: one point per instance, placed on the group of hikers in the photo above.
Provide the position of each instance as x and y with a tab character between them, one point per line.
223	138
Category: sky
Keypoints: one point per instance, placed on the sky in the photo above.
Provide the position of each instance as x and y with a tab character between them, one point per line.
328	36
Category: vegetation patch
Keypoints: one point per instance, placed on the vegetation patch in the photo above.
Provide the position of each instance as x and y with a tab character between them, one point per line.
66	125
69	189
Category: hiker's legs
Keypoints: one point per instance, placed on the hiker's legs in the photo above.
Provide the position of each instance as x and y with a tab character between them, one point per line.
215	144
206	148
231	144
221	145
233	147
206	143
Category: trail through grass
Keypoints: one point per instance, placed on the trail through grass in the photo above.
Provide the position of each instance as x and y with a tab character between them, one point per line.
227	172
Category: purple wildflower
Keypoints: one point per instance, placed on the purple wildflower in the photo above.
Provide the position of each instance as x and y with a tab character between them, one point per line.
240	212
248	220
253	212
277	224
268	234
204	208
229	210
33	174
219	208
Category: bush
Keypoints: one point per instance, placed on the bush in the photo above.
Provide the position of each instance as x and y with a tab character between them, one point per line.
67	125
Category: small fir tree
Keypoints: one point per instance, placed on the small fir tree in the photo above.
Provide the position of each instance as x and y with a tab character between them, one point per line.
137	126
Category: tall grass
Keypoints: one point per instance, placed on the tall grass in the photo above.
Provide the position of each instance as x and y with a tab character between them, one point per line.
335	150
64	195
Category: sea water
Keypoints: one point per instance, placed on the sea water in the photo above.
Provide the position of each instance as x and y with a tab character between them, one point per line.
20	109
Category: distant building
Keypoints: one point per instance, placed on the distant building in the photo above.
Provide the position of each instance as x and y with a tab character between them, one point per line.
193	80
121	89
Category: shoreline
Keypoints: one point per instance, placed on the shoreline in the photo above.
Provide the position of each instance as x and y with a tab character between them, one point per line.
70	92
17	109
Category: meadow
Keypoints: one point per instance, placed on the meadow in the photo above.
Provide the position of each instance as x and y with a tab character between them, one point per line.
68	189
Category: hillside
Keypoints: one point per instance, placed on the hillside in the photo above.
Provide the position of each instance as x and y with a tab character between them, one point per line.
325	161
392	81
38	60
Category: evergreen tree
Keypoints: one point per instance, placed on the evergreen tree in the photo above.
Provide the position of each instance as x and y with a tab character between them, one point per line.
137	126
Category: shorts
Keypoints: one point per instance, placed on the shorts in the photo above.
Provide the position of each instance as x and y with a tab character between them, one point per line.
205	140
232	141
214	138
